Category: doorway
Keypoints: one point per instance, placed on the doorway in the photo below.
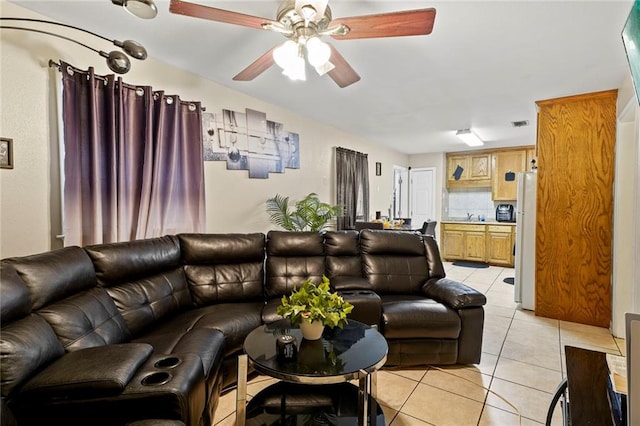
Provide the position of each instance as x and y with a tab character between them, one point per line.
422	195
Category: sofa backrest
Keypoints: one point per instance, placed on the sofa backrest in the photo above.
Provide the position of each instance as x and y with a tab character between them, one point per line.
85	320
342	249
27	341
145	278
223	268
434	261
55	275
394	262
292	258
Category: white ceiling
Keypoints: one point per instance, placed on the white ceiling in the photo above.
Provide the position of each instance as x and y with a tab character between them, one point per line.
484	65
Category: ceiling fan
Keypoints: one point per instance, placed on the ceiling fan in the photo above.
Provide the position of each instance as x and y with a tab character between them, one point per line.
303	22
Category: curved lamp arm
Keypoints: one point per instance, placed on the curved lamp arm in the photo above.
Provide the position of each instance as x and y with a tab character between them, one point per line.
131	47
117	61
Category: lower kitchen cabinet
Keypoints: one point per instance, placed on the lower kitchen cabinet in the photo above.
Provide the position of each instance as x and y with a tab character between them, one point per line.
500	245
475	243
478	243
452	244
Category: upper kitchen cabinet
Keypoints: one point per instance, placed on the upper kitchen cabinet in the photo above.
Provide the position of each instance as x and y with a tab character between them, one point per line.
506	165
469	170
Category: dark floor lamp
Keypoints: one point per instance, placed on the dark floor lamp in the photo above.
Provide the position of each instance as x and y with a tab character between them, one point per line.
117	61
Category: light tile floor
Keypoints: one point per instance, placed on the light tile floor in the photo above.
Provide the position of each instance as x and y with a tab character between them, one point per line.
522	362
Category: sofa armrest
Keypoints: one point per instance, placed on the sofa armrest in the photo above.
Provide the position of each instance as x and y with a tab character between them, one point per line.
91	372
453	293
350	283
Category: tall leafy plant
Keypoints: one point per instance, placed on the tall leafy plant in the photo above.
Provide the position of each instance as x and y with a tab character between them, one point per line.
308	214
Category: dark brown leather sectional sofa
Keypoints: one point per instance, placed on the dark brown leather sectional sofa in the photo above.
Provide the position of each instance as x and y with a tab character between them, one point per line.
151	329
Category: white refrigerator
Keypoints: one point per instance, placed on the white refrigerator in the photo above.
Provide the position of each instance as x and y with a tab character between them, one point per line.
525	250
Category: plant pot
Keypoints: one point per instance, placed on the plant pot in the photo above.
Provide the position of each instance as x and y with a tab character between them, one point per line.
312	330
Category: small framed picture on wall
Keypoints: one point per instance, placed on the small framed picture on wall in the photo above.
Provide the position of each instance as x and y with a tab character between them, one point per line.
6	153
378	169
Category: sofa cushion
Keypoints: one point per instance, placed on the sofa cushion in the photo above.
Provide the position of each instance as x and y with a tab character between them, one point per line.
234	320
343	254
14	303
90	372
117	263
223	268
412	317
26	346
394	262
144	302
55	275
292	258
85	320
144	277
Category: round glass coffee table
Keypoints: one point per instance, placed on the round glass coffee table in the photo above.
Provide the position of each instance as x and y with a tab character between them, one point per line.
315	383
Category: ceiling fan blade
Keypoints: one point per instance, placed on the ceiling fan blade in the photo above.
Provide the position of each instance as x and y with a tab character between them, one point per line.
342	74
394	24
220	15
258	66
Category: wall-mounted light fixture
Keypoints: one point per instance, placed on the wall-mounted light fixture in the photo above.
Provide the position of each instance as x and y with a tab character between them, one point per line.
117	61
145	9
469	137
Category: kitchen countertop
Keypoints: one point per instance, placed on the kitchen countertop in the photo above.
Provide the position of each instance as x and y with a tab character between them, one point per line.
477	222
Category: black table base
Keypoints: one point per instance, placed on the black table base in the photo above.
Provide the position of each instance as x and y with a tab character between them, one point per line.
299	404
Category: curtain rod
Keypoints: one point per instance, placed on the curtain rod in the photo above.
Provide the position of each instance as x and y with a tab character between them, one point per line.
350	150
58	66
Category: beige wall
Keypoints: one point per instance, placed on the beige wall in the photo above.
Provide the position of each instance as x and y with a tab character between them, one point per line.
235	203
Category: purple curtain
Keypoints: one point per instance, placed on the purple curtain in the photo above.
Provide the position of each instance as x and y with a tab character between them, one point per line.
133	161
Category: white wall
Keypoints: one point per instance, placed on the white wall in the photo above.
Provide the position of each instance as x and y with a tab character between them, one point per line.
234	202
626	224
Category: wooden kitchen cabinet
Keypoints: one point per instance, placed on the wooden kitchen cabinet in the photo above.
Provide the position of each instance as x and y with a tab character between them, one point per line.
514	161
476	170
480	167
478	243
475	245
453	161
461	241
500	245
452	244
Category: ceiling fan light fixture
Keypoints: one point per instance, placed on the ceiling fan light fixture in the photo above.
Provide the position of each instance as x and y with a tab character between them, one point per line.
286	54
318	52
296	69
469	137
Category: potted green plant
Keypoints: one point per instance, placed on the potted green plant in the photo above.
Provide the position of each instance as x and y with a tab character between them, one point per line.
313	307
309	214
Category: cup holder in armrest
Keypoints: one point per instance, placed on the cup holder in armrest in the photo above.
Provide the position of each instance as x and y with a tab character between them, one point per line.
168	362
156	379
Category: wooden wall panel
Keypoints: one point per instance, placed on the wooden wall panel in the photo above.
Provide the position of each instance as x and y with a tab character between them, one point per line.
576	142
